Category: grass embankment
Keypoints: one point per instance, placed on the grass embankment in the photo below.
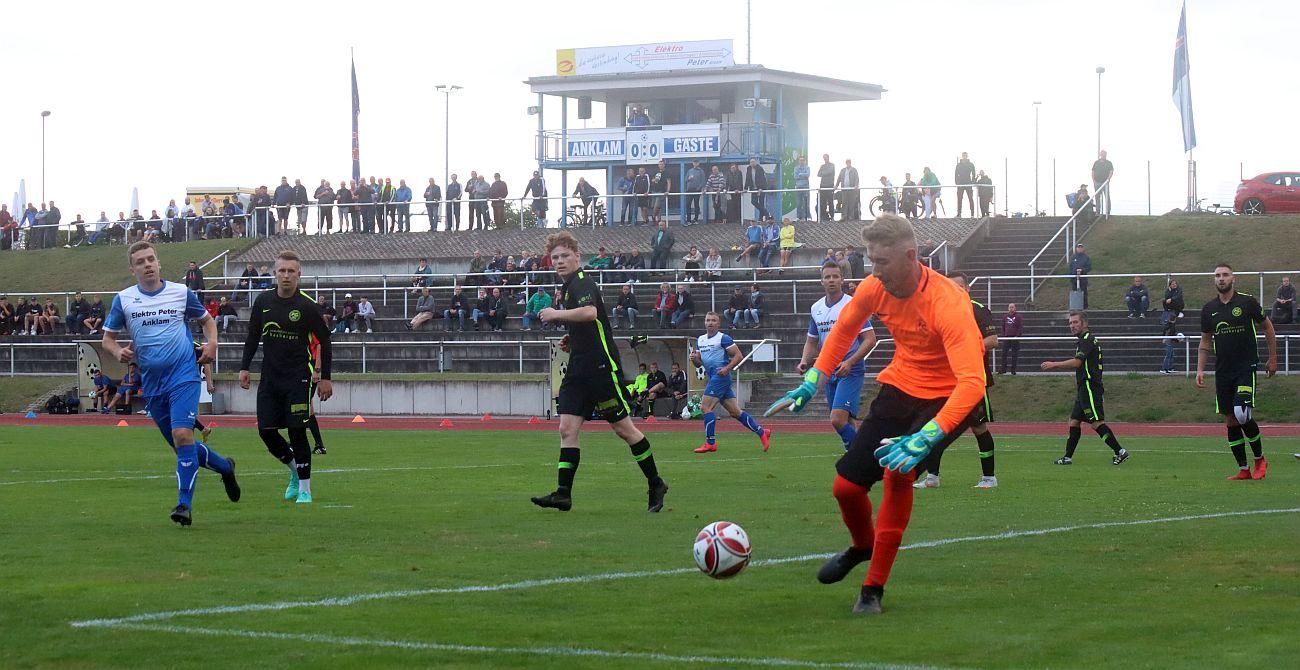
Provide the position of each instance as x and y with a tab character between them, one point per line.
101	268
1132	244
16	393
1131	397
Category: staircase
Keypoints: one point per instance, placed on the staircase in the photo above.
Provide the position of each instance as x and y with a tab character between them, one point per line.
1006	251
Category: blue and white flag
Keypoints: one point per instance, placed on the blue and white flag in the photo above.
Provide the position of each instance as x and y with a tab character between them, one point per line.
356	138
1183	83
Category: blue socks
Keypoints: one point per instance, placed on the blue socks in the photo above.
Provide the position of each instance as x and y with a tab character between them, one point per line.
212	460
710	422
187	469
748	421
848	433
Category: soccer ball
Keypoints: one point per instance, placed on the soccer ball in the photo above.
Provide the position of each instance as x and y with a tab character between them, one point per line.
722	549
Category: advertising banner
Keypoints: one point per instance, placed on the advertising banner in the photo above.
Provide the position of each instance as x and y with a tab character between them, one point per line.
692	140
595	144
657	57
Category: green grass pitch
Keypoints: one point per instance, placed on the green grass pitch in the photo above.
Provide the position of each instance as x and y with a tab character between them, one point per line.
422	550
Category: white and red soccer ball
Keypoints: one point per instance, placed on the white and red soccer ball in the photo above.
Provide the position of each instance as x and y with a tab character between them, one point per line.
722	549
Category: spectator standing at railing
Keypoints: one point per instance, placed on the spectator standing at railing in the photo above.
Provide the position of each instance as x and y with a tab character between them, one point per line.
388	207
433	204
985	186
850	197
716	185
826	194
365	316
627	204
300	205
587	193
641	187
911	196
476	192
454	191
36	238
52	219
1284	307
661	246
1013	327
365	197
802	174
1137	299
175	225
1080	268
929	193
624	308
95	316
735	186
963	177
403	197
325	208
661	186
497	193
695	181
537	302
8	227
685	307
537	188
1102	171
343	196
756	184
260	203
283	201
665	305
78	311
457	308
194	280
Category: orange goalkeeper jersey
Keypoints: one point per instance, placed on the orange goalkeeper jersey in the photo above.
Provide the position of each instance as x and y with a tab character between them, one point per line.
938	350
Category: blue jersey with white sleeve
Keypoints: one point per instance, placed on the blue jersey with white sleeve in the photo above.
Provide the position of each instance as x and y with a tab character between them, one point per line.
159	332
823	319
713	351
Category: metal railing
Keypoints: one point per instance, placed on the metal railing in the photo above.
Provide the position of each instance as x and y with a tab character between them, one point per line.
1070	228
1156	291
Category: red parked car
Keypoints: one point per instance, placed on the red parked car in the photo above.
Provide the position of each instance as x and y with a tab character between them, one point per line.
1269	193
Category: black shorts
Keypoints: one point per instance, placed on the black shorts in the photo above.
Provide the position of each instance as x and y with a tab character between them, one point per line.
980	414
283	402
892	413
599	392
1230	386
1088	405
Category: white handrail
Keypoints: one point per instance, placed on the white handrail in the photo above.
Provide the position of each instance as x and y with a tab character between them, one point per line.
1071	239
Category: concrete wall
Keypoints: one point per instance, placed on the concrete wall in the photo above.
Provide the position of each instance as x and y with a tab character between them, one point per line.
408	398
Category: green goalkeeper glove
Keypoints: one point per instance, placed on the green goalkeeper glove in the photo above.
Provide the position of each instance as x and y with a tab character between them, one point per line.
799	398
906	452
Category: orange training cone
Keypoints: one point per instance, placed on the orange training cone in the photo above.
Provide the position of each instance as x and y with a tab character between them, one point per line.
122	423
534	421
358	419
651	419
487	417
446	423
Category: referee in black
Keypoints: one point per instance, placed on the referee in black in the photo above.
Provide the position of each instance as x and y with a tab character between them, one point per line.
1229	326
1088	407
593	382
284	320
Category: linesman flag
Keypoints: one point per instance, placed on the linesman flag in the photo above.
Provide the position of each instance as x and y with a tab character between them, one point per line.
356	110
1183	83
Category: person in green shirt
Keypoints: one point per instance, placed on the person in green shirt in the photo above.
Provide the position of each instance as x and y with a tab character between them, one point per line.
536	303
638	388
930	192
477	266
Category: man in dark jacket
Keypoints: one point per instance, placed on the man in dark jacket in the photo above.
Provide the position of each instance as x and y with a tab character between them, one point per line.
677	389
300	204
1137	299
1284	307
964	176
194	280
826	193
756	183
283	200
365	197
1080	267
497	195
457	309
1013	326
661	244
1172	302
347	211
454	191
735	185
433	204
78	311
985	191
625	308
325	213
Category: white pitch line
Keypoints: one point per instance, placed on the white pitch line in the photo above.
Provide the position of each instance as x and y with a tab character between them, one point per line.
569	652
344	601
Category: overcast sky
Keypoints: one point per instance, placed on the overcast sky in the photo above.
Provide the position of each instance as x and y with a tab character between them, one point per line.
164	96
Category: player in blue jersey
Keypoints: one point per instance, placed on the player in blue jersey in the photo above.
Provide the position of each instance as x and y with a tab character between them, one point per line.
155	312
844	386
719	355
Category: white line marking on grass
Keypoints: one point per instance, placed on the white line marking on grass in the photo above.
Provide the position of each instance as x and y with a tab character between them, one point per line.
567	652
344	601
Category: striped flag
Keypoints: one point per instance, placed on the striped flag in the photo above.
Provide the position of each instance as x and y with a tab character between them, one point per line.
1183	83
356	140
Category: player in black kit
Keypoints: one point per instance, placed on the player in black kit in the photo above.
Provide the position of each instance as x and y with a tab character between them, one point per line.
1088	406
284	320
594	379
1228	329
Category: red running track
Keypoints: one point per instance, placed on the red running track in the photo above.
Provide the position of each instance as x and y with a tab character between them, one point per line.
661	425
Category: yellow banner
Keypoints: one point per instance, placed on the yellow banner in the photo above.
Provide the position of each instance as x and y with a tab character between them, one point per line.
566	62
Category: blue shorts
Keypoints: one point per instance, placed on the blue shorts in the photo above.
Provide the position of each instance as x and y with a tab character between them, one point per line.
719	387
174	408
845	393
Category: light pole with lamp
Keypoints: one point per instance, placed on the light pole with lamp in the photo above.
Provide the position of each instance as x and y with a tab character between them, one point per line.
1100	71
1037	104
447	90
45	114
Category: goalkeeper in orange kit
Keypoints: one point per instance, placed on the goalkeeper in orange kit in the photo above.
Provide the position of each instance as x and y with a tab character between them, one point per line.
935	379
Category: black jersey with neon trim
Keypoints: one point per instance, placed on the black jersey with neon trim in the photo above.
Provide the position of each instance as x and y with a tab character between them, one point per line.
1088	351
284	326
591	345
1232	326
984	321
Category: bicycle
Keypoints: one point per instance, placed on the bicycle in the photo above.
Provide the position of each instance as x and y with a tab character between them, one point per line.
1214	208
891	202
578	216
